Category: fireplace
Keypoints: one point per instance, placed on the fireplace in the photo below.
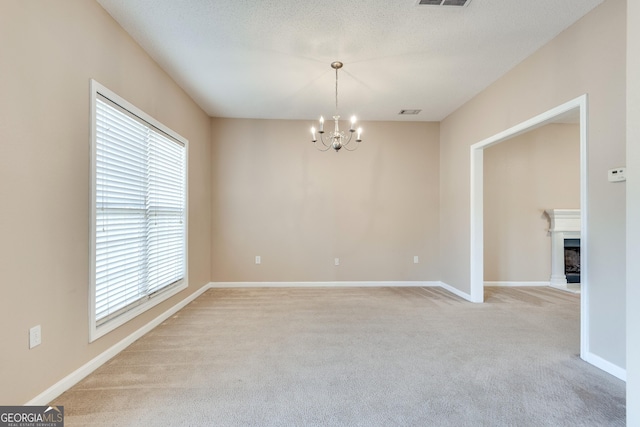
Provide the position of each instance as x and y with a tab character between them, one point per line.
572	260
565	246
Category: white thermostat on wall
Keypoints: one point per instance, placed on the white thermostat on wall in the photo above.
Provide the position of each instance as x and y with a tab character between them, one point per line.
617	174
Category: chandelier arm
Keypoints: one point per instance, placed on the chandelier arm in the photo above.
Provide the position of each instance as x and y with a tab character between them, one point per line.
319	148
346	144
347	140
322	140
355	147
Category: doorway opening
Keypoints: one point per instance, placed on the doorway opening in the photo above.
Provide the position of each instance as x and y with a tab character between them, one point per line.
577	106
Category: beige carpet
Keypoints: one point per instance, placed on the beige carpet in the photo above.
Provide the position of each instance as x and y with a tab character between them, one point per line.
355	357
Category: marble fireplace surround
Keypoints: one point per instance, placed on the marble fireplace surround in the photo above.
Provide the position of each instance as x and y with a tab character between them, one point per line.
564	224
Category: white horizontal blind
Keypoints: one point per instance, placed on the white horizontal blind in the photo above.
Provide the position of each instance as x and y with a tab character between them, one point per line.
140	187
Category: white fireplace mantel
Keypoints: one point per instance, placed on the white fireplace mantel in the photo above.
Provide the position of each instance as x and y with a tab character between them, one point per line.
564	224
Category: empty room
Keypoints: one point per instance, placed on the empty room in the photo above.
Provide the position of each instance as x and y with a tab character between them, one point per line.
225	213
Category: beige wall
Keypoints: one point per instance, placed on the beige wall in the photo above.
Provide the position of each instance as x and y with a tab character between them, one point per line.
276	196
589	57
272	194
633	213
50	50
523	176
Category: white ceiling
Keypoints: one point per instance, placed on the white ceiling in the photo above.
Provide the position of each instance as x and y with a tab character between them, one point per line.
271	58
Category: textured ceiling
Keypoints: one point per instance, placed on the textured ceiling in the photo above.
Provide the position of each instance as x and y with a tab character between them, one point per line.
271	58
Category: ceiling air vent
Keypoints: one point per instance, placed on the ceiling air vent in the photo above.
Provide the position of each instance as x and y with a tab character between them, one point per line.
409	112
444	2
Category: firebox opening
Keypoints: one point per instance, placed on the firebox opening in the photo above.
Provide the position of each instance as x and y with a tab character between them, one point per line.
572	260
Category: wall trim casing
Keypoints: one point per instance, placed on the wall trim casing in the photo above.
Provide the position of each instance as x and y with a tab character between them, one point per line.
95	330
476	213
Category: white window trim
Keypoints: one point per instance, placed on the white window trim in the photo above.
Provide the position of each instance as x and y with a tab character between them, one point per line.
97	331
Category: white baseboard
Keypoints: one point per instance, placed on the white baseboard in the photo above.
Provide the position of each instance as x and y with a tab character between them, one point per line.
606	366
424	284
573	288
456	291
516	284
76	376
355	284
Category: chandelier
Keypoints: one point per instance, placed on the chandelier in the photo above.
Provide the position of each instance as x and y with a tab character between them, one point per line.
336	138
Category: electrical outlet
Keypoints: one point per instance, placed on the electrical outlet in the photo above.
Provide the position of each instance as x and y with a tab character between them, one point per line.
336	261
416	260
35	336
258	259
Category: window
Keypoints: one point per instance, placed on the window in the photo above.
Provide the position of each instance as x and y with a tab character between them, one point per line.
139	212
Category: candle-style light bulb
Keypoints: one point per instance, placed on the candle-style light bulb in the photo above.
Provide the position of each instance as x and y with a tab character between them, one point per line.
313	132
321	123
359	133
353	122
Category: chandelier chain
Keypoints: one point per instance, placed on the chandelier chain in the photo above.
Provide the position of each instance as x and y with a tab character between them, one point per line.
336	91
